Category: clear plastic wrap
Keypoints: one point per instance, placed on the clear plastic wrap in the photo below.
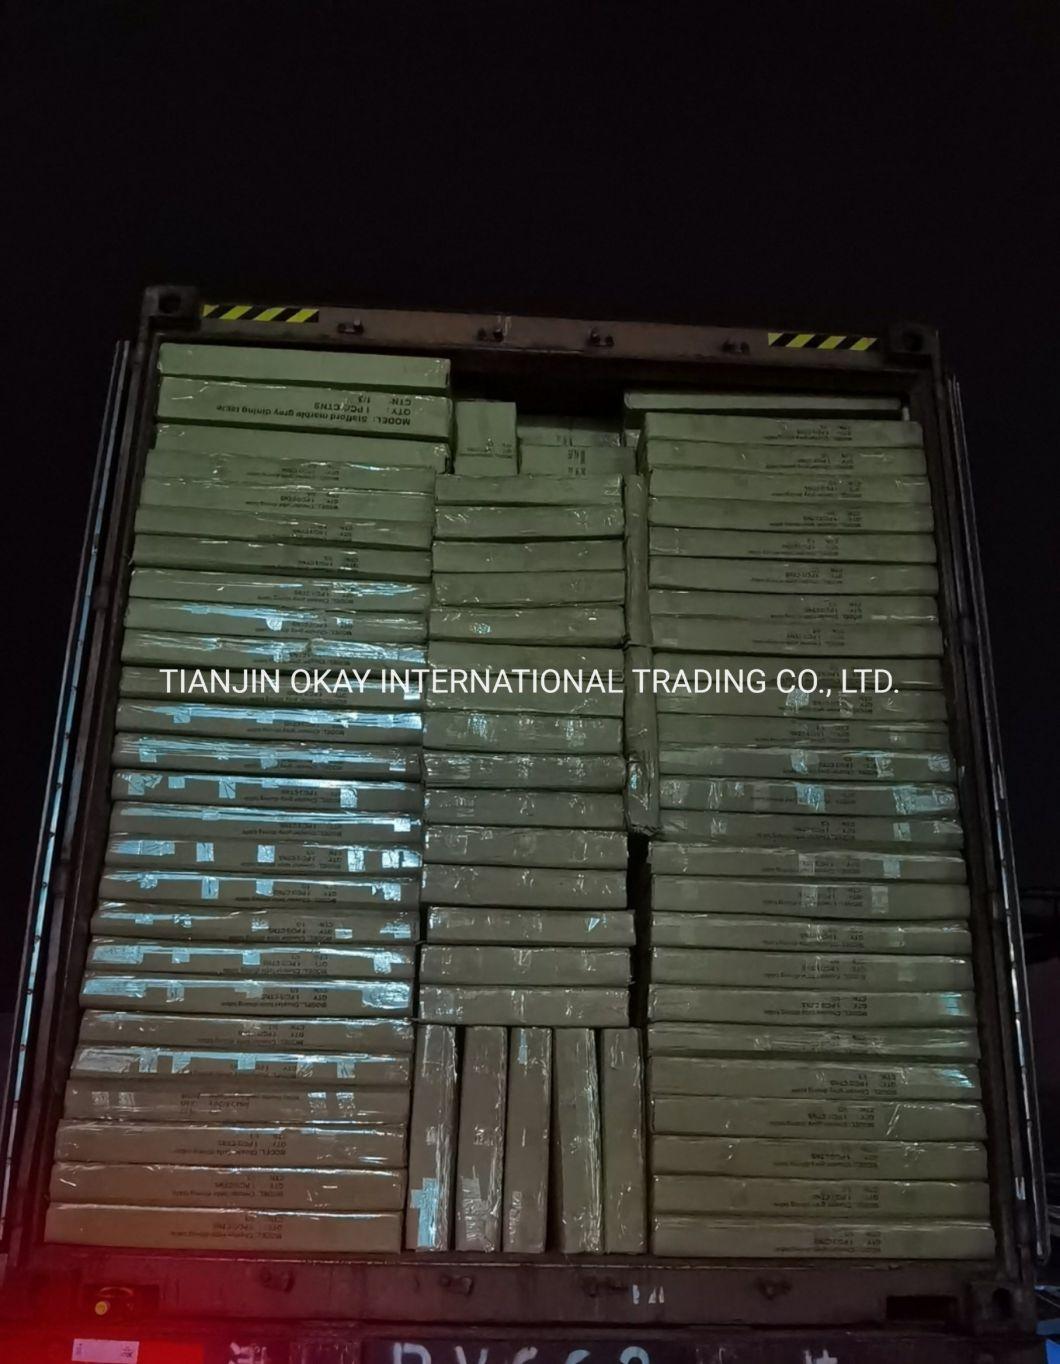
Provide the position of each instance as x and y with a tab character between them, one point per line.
272	622
808	935
267	961
698	859
289	593
681	1115
811	899
526	927
836	799
260	1034
165	751
512	1006
762	1078
727	1039
623	1142
334	1147
472	845
118	919
762	1158
638	619
141	1063
795	608
143	818
818	1005
476	493
790	576
562	966
794	638
834	831
530	809
811	543
575	461
189	995
296	723
353	411
528	589
222	651
224	1229
527	1140
286	499
532	771
194	888
279	793
600	626
191	552
555	556
224	1101
196	1186
286	528
266	470
824	764
289	365
480	1142
532	887
302	445
576	1181
226	855
785	517
522	734
432	1141
529	523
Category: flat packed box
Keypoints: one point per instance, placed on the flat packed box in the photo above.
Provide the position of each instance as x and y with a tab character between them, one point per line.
168	751
898	461
623	1142
638	401
770	831
286	499
741	1157
906	673
522	734
530	809
810	542
638	611
531	771
834	799
563	431
531	928
142	817
809	900
264	960
529	523
261	470
227	1101
342	999
335	1147
355	411
285	793
604	966
204	718
432	1141
284	858
593	668
558	556
480	1143
300	1067
513	1006
486	429
796	970
698	859
842	517
788	759
452	490
600	626
183	1186
576	461
708	1237
515	887
772	637
302	445
788	575
191	552
507	696
763	1078
284	527
292	591
843	1008
223	1229
189	887
807	935
789	487
524	1220
484	466
895	706
792	608
528	589
288	365
576	1157
498	846
387	1035
783	431
734	1039
832	1199
269	622
189	651
681	1115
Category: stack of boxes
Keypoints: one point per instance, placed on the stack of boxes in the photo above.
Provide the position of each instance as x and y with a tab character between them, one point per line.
244	1070
813	1082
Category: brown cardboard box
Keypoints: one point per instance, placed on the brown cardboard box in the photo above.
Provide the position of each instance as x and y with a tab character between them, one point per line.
293	1068
284	528
170	994
480	1147
469	730
840	799
230	1101
279	857
190	888
531	771
638	611
783	608
189	551
784	432
549	966
763	1078
575	461
119	919
890	708
576	1182
263	960
530	928
843	518
793	731
701	859
804	935
486	429
484	845
300	473
192	1186
252	756
642	747
530	809
432	1141
528	589
803	486
335	1146
206	822
287	365
514	1006
284	793
248	621
710	635
812	543
814	1119
739	1157
529	523
549	556
908	674
811	900
526	1142
715	1004
286	499
813	765
749	1238
381	1035
733	1039
832	1200
487	494
293	722
622	1128
789	575
544	625
529	887
223	1229
302	445
304	593
801	970
815	831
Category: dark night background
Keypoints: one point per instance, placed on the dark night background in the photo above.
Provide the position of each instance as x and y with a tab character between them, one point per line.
814	167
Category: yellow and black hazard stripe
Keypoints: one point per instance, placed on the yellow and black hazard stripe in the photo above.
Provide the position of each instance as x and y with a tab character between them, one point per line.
821	341
250	312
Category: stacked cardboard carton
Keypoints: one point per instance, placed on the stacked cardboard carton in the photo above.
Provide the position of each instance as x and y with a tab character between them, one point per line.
813	1080
573	447
525	850
244	1070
